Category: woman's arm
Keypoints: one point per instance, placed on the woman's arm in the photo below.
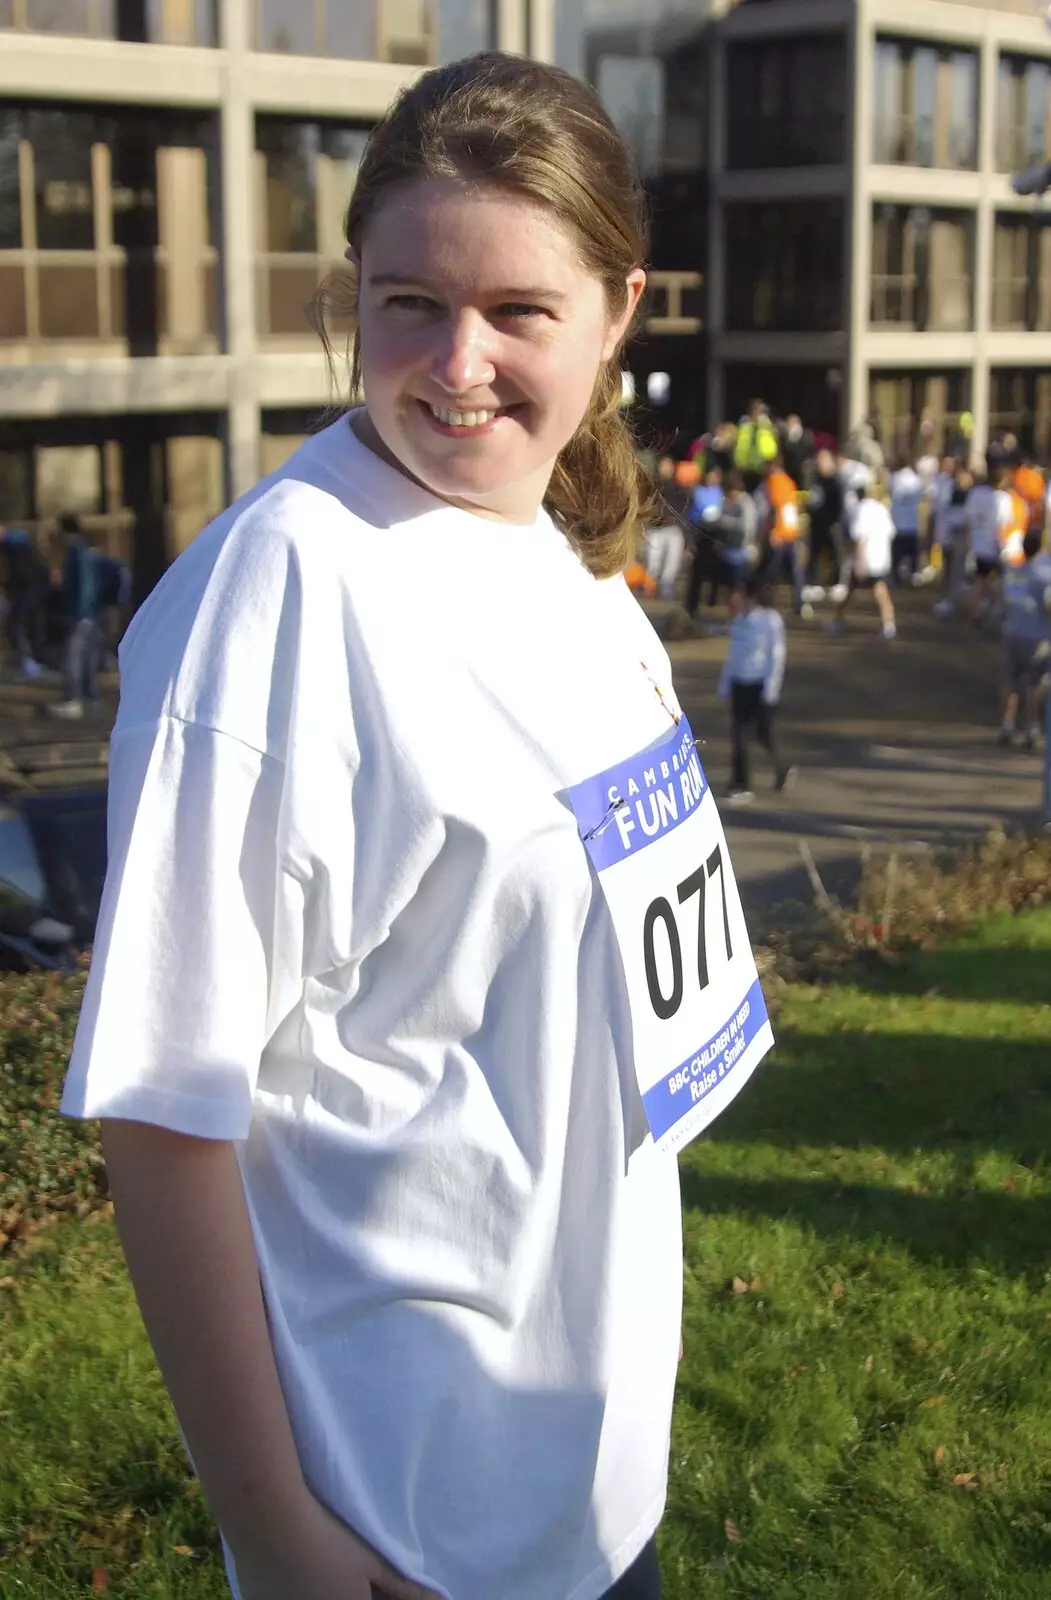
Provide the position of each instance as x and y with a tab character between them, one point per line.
184	1225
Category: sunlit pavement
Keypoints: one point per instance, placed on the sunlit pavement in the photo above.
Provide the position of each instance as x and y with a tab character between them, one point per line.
895	743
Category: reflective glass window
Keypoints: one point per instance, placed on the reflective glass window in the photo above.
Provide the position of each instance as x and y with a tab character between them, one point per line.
925	105
784	266
62	143
289	26
10	189
785	102
290	151
59	16
647	61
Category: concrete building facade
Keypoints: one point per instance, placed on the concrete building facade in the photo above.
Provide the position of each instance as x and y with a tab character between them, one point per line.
882	265
173	175
833	222
172	180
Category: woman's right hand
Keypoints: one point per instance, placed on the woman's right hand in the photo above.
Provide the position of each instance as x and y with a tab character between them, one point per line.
320	1559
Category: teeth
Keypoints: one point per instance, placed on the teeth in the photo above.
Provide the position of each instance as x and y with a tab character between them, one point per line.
462	419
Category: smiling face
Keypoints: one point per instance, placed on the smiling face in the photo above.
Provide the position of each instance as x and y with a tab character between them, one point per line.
481	334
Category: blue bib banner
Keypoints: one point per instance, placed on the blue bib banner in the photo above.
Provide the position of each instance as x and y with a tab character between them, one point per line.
699	1021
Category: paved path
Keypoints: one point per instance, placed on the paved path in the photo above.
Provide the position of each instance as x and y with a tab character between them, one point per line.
896	744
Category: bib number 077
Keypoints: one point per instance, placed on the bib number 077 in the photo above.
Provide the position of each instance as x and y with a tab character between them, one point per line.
660	910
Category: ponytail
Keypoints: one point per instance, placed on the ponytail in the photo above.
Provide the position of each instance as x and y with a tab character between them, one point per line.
599	493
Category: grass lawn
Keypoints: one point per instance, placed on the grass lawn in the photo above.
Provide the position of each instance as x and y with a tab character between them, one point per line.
863	1408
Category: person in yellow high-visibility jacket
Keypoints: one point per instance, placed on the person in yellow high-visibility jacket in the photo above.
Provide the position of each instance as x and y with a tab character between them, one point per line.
784	553
756	446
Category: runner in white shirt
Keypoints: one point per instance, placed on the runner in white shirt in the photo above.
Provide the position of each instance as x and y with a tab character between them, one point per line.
987	513
871	531
907	491
388	1025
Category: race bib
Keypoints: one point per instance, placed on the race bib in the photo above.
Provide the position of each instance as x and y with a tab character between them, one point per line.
699	1020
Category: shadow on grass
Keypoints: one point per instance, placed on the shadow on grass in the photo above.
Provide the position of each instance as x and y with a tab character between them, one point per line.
1004	1233
1019	973
899	1093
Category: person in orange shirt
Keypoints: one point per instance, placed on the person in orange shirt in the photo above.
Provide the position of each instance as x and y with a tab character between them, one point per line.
1030	484
1013	534
784	552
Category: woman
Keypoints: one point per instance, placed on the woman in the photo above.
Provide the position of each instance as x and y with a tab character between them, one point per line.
357	1023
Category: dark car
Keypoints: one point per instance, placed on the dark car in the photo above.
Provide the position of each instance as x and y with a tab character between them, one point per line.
52	868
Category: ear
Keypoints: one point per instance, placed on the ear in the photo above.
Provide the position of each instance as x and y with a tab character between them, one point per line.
634	283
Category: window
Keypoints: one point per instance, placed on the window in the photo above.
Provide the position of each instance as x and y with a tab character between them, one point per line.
415	33
138	21
648	61
142	485
785	102
282	432
784	266
925	105
64	189
105	231
1020	403
1023	113
305	172
901	401
1022	272
922	269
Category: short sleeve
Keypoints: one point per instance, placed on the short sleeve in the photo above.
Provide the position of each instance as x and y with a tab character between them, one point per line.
197	955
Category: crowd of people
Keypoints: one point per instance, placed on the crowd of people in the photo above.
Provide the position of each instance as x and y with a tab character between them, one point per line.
64	618
765	503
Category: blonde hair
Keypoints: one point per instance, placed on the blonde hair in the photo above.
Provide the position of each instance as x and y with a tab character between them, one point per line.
541	133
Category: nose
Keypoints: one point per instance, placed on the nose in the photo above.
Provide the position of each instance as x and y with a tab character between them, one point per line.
463	357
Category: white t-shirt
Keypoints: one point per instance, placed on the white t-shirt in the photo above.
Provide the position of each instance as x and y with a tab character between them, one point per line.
873	534
988	514
349	924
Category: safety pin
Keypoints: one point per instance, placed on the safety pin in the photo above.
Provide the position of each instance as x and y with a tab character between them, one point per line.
657	691
615	805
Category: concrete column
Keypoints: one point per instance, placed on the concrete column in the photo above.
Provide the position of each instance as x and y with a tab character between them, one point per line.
541	26
511	25
238	188
985	223
862	43
715	266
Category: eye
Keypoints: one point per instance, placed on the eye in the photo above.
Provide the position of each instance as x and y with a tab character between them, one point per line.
519	309
409	302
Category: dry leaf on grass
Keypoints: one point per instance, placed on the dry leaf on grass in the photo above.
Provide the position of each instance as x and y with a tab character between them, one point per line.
939	1455
868	1363
732	1531
934	1400
99	1580
745	1286
965	1480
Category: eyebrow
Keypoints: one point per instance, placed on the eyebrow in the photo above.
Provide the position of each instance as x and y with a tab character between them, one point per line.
529	292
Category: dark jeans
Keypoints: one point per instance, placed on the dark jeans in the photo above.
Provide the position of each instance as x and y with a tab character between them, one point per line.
824	551
747	706
786	561
642	1581
26	622
706	567
905	551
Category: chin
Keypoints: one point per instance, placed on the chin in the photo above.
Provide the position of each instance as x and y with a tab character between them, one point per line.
467	480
